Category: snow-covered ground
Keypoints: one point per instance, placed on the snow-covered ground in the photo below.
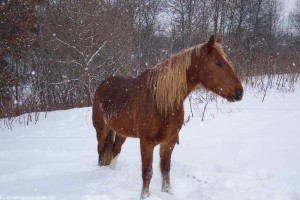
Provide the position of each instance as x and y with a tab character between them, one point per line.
245	150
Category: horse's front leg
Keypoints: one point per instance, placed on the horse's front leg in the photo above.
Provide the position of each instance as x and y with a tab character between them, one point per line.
166	150
147	158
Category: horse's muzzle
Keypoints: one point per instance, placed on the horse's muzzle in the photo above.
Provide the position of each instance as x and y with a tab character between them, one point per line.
237	96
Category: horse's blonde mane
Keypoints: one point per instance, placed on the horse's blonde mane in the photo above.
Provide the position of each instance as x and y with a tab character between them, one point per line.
167	80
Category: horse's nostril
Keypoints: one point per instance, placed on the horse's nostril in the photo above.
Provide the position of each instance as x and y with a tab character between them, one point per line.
238	93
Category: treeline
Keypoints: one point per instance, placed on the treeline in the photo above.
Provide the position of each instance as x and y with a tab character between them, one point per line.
54	53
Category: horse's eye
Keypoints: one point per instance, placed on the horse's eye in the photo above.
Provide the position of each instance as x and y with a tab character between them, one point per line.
219	64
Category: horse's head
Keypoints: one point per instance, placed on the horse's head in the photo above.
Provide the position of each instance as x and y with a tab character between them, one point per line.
212	69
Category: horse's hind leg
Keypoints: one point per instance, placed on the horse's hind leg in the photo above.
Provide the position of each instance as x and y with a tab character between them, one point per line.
101	137
166	150
119	141
99	125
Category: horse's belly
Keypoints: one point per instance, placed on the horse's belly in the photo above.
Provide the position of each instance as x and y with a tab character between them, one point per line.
123	124
134	124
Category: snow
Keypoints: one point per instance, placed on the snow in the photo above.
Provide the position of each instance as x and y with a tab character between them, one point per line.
246	150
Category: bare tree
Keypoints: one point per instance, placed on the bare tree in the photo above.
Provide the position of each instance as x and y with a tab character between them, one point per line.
83	43
296	17
53	55
18	29
190	22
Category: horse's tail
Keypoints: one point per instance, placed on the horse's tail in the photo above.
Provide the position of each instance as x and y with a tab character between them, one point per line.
100	126
108	148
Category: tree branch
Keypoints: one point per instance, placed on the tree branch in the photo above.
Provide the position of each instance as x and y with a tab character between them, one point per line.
69	45
99	49
66	62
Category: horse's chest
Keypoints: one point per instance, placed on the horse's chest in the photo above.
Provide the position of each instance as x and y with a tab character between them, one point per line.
172	126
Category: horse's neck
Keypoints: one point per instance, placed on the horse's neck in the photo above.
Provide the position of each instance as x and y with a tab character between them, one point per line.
192	80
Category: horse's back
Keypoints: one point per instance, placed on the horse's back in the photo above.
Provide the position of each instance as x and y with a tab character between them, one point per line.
116	92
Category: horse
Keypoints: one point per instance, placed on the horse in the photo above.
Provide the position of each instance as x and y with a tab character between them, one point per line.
150	106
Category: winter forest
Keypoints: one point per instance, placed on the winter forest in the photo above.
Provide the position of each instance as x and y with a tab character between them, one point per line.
53	54
217	121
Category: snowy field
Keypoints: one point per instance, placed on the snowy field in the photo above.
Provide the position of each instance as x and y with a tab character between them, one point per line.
242	151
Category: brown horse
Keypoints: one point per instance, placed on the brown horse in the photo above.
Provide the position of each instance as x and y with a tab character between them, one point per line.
150	106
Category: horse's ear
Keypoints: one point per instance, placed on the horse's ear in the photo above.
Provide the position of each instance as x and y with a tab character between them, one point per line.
220	39
211	41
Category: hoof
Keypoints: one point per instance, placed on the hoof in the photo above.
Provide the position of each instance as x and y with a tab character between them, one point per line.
145	195
167	190
100	163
